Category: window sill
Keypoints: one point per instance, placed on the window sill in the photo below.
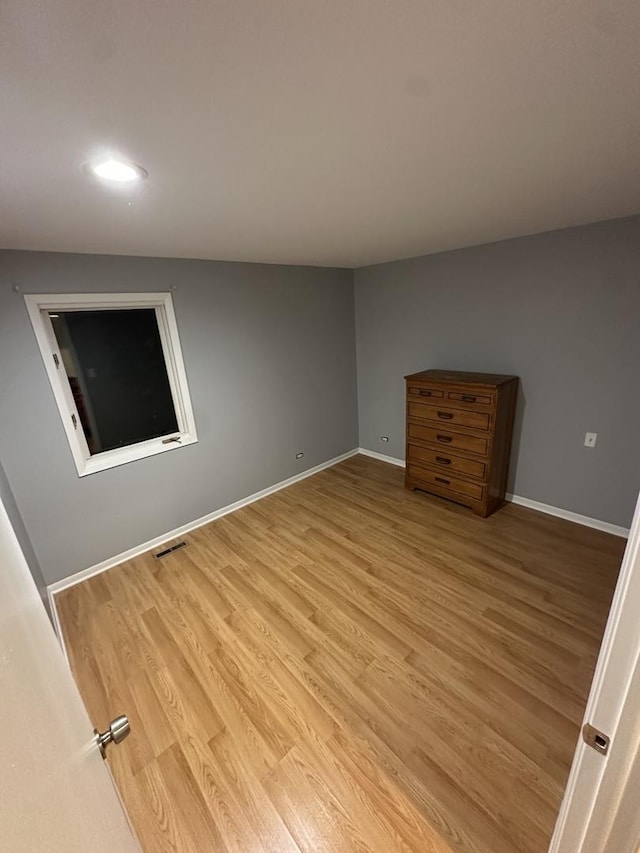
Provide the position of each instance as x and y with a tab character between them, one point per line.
122	456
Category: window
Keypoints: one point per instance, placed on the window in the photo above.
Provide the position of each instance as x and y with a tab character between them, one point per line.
116	369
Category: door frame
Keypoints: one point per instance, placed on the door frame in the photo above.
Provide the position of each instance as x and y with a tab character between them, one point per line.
595	815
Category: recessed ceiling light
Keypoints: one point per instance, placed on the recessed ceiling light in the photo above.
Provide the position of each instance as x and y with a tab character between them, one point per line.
117	171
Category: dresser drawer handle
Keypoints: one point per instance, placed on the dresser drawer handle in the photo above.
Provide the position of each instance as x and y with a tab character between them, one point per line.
444	438
442	460
468	398
442	480
424	393
446	416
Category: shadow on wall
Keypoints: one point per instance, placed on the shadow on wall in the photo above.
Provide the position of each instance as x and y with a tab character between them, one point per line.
9	503
521	405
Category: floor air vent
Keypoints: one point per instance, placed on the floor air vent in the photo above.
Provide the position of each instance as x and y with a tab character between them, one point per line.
170	550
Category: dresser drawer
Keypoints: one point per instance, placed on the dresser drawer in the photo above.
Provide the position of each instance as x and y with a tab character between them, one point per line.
467	399
443	415
446	461
444	483
448	440
435	393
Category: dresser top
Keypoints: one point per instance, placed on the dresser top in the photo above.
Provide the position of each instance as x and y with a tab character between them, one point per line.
461	377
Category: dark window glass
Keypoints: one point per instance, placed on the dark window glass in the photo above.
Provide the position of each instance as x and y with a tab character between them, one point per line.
117	373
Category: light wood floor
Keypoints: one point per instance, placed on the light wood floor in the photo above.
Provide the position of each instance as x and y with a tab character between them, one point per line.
347	666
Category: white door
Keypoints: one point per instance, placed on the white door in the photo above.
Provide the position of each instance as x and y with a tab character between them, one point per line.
600	812
56	795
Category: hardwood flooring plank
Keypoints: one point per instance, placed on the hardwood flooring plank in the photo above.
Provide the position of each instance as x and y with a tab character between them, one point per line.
268	823
305	818
183	788
391	745
241	686
155	815
274	615
227	815
386	796
286	695
156	726
187	685
306	768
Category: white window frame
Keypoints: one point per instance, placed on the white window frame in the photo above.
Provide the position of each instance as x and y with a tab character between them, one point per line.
40	304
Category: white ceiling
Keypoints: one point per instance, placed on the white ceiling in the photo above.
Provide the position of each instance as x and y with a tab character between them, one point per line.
329	132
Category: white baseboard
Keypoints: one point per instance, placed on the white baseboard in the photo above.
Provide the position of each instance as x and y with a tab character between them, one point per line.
585	520
103	566
392	460
85	574
57	627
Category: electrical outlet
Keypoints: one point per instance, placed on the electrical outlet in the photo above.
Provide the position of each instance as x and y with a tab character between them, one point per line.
299	455
384	438
590	439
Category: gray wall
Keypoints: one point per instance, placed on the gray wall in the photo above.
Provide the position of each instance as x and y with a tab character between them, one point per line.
562	311
270	358
9	503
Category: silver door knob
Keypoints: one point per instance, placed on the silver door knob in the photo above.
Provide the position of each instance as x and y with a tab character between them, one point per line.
116	733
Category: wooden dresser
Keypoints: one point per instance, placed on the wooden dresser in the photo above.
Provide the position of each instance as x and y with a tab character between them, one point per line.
459	429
